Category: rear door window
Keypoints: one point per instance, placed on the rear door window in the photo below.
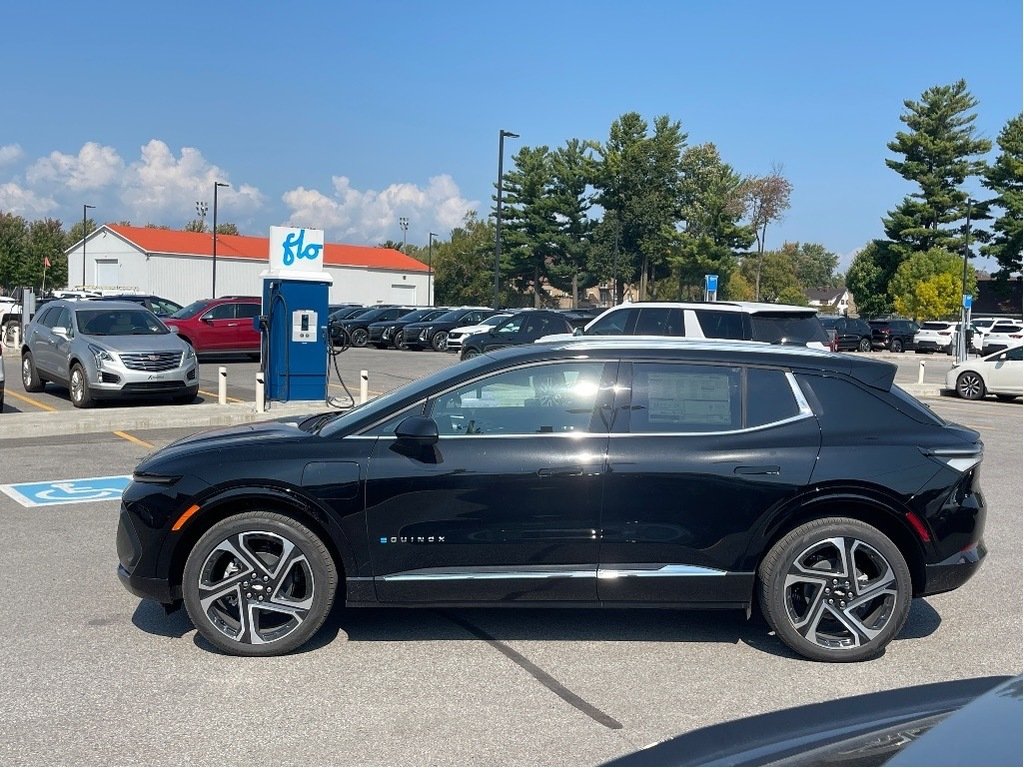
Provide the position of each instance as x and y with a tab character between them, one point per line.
248	310
770	397
671	397
715	324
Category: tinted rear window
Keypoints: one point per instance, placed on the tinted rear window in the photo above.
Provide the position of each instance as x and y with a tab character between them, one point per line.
787	329
936	326
715	324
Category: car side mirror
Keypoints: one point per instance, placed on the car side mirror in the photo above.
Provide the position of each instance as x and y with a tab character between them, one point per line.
417	430
60	330
577	332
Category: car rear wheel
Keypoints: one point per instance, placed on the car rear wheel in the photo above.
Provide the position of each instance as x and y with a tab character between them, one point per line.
259	584
896	346
359	337
835	589
864	345
78	387
970	386
30	378
438	340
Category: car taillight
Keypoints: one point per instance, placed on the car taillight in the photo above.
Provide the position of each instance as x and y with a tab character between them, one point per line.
1015	336
945	333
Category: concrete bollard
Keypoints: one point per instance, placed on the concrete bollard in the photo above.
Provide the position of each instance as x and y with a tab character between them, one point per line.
364	386
222	385
920	373
261	397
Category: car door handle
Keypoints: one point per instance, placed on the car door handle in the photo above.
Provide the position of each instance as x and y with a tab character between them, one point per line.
758	470
560	472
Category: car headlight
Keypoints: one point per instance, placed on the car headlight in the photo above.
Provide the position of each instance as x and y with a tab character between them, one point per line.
101	355
190	353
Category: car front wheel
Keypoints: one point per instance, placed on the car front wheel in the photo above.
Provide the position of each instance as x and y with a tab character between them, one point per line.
469	352
78	386
30	378
438	340
835	589
259	584
970	386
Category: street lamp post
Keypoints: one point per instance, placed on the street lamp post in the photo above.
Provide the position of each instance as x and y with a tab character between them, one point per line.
961	352
216	186
403	222
84	233
430	266
497	219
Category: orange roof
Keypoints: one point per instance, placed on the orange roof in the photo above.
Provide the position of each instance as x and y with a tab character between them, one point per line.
152	240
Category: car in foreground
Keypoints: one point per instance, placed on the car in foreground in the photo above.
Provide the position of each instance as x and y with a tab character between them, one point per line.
453	342
970	722
1000	373
222	326
574	473
895	335
524	327
852	334
104	350
737	320
433	334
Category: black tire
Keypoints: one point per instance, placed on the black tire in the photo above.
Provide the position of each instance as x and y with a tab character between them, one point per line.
970	386
30	378
438	340
812	615
359	337
469	352
78	387
864	345
399	340
896	346
304	587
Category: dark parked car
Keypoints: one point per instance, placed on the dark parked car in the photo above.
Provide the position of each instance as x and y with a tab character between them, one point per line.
618	472
158	305
851	333
389	333
357	327
522	328
433	334
894	335
223	325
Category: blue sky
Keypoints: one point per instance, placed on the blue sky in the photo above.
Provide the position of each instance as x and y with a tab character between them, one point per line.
348	115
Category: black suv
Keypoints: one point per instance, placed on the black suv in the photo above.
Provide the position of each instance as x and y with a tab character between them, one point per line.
357	328
523	327
851	334
390	333
605	472
894	335
433	334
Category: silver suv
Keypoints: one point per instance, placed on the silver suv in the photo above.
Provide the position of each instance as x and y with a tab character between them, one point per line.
106	350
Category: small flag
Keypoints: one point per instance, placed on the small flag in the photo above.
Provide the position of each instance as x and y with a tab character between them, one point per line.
46	261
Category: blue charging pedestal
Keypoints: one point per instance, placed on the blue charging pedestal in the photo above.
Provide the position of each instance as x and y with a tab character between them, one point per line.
295	337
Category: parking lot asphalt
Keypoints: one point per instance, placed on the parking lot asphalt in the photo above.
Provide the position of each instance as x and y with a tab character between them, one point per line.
91	675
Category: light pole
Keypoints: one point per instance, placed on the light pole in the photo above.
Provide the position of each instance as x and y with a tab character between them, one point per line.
961	352
497	219
201	208
216	186
403	222
84	233
430	267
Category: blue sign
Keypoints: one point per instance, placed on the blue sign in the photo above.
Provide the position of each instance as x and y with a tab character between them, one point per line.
67	491
968	300
711	283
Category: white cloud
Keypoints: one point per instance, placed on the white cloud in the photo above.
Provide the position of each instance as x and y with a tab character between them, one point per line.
94	167
9	153
24	202
372	216
161	186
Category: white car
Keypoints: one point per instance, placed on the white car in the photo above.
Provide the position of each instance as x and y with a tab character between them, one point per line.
939	336
736	320
1000	374
455	337
1001	336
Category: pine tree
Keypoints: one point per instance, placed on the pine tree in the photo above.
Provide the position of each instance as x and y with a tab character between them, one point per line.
1003	177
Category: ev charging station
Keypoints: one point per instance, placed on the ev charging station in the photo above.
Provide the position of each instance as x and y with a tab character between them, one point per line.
293	323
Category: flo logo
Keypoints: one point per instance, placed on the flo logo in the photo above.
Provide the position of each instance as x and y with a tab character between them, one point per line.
412	539
294	248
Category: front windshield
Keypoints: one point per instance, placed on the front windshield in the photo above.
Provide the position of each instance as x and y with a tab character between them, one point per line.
493	320
119	322
190	310
379	406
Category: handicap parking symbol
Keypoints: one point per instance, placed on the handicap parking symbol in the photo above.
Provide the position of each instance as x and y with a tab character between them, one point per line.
67	491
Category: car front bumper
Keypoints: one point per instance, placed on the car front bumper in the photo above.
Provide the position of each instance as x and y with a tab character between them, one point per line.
114	379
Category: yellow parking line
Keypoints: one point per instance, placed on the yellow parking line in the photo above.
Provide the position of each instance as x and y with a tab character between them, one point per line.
134	439
214	396
30	401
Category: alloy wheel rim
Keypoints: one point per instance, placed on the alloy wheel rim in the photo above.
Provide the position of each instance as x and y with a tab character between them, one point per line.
256	587
840	593
970	386
26	372
77	385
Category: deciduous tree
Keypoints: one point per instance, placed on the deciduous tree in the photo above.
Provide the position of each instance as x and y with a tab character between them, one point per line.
766	199
927	285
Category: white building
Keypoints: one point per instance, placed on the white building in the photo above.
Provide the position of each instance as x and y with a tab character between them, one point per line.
179	266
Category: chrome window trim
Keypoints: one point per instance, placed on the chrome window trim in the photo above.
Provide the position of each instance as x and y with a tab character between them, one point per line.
790	420
665	570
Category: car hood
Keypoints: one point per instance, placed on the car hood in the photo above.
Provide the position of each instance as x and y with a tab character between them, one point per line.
160	342
168	460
